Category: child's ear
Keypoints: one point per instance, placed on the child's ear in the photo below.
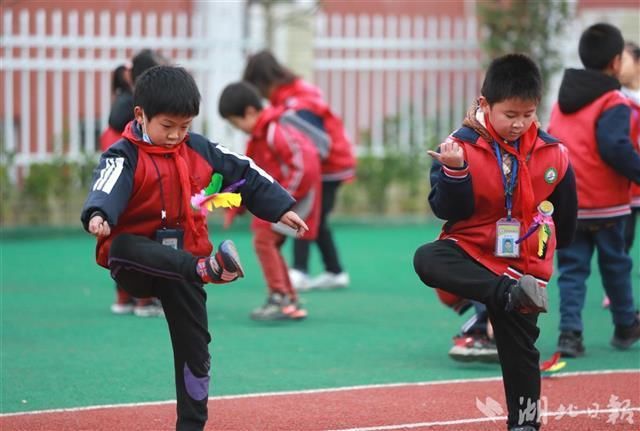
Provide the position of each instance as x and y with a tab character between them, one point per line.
138	114
616	65
484	105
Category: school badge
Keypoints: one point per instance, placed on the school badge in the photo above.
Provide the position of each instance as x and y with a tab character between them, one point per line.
551	175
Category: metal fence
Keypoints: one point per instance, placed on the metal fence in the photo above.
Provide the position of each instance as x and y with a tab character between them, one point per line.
56	80
396	81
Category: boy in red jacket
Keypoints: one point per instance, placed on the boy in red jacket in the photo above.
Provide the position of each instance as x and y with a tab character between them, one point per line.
149	237
507	192
292	160
315	119
592	117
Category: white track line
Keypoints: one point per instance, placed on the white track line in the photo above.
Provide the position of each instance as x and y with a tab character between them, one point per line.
491	419
314	391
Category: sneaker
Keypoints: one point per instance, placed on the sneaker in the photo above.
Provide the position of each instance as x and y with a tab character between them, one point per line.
329	280
523	428
148	307
570	344
223	267
278	307
625	336
121	308
474	347
299	279
526	296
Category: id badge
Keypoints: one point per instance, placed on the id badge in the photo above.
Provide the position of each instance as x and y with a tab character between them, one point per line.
170	237
507	233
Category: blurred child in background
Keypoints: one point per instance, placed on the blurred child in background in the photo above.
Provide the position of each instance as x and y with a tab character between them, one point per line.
314	118
121	114
291	158
500	178
630	81
150	238
592	118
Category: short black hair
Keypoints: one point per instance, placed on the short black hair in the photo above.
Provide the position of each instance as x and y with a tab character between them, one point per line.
145	60
599	44
236	97
512	76
167	90
263	70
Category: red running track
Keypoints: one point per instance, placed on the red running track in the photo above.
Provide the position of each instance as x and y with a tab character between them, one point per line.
573	401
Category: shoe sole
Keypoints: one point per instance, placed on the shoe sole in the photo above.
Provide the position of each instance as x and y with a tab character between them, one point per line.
536	295
228	249
567	354
623	345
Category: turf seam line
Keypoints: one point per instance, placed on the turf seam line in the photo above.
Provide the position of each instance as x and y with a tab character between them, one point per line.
315	391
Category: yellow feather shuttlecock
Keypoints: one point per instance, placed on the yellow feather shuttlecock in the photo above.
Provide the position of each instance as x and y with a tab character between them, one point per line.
224	200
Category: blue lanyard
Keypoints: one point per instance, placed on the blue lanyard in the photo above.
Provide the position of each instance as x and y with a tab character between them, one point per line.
508	188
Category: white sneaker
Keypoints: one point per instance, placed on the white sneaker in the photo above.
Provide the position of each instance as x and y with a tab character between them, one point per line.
330	280
299	279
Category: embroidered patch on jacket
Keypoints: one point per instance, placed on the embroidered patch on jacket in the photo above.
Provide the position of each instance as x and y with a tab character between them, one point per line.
551	175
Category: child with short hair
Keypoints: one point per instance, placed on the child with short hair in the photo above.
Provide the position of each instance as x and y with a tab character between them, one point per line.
592	117
315	119
120	115
630	81
149	237
293	161
500	179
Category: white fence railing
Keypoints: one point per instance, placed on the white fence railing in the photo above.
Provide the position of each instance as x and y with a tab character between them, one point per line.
395	80
56	81
398	81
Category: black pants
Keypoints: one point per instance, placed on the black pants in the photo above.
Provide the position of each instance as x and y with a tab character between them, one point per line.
444	265
325	239
144	267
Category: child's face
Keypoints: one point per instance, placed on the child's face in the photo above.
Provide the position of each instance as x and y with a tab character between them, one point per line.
629	70
164	130
511	117
246	123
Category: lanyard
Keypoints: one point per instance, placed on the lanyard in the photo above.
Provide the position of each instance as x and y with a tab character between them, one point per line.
508	188
163	212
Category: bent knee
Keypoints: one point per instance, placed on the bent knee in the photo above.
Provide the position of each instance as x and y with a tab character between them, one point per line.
422	264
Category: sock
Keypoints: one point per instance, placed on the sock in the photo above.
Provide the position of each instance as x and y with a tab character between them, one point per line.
208	269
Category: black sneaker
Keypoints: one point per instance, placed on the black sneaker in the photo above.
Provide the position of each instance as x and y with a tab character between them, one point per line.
523	428
625	336
279	307
526	296
570	344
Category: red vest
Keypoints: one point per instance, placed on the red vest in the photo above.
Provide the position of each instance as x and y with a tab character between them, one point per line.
142	214
299	95
547	163
292	160
602	192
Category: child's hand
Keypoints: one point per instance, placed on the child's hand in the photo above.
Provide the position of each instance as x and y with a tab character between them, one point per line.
294	221
99	226
451	154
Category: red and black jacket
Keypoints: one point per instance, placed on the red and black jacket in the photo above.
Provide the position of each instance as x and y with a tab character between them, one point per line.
131	194
291	158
